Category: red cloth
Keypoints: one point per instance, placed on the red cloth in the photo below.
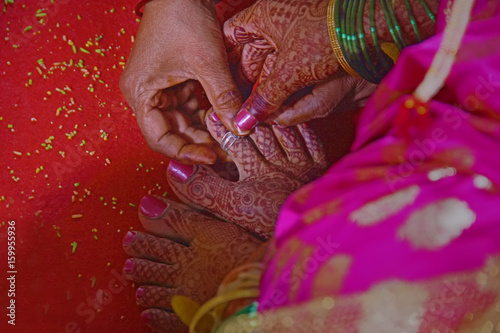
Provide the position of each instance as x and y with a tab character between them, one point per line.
50	295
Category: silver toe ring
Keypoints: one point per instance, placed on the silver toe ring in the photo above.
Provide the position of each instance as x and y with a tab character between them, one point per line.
228	140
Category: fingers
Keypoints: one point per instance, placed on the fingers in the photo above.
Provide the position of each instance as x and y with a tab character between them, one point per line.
338	93
269	95
145	246
160	136
246	48
162	321
178	96
238	32
215	76
253	58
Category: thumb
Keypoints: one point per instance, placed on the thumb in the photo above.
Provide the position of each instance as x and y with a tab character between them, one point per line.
268	96
222	93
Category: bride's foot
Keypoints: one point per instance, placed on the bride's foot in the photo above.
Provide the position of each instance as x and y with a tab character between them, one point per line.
272	163
182	253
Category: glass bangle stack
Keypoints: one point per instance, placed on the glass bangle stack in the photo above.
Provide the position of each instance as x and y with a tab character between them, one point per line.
370	62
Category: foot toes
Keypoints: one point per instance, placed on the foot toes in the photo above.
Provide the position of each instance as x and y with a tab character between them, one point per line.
203	190
313	145
155	297
240	149
145	246
292	144
145	271
266	142
169	219
162	321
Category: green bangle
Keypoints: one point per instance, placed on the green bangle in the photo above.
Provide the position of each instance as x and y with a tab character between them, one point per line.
431	16
381	56
346	29
348	38
372	68
412	20
335	35
393	25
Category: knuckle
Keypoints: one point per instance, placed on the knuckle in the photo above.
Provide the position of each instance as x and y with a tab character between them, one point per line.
154	145
228	100
124	82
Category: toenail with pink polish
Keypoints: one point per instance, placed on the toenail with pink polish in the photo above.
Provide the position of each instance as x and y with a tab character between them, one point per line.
214	117
152	206
139	292
146	317
245	121
129	237
180	171
129	266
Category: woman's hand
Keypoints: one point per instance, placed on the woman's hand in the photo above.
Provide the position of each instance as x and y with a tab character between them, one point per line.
339	93
178	40
284	45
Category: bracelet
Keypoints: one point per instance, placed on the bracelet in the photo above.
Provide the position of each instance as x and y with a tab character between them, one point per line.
332	32
139	6
347	36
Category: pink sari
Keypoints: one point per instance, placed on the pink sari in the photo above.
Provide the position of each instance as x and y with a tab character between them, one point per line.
403	234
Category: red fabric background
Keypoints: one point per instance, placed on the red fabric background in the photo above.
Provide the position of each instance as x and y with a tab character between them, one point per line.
54	288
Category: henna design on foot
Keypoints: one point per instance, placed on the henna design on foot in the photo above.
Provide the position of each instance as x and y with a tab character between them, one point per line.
182	253
272	163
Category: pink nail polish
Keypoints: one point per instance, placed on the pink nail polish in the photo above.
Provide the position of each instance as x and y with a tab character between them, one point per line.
245	121
152	206
139	292
214	117
129	266
146	317
129	237
180	171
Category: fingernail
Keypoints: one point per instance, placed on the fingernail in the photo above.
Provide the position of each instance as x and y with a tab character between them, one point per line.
139	292
245	121
129	266
180	171
146	317
152	206
129	237
214	117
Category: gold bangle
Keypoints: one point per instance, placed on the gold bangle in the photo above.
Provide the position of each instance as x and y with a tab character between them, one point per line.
335	42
